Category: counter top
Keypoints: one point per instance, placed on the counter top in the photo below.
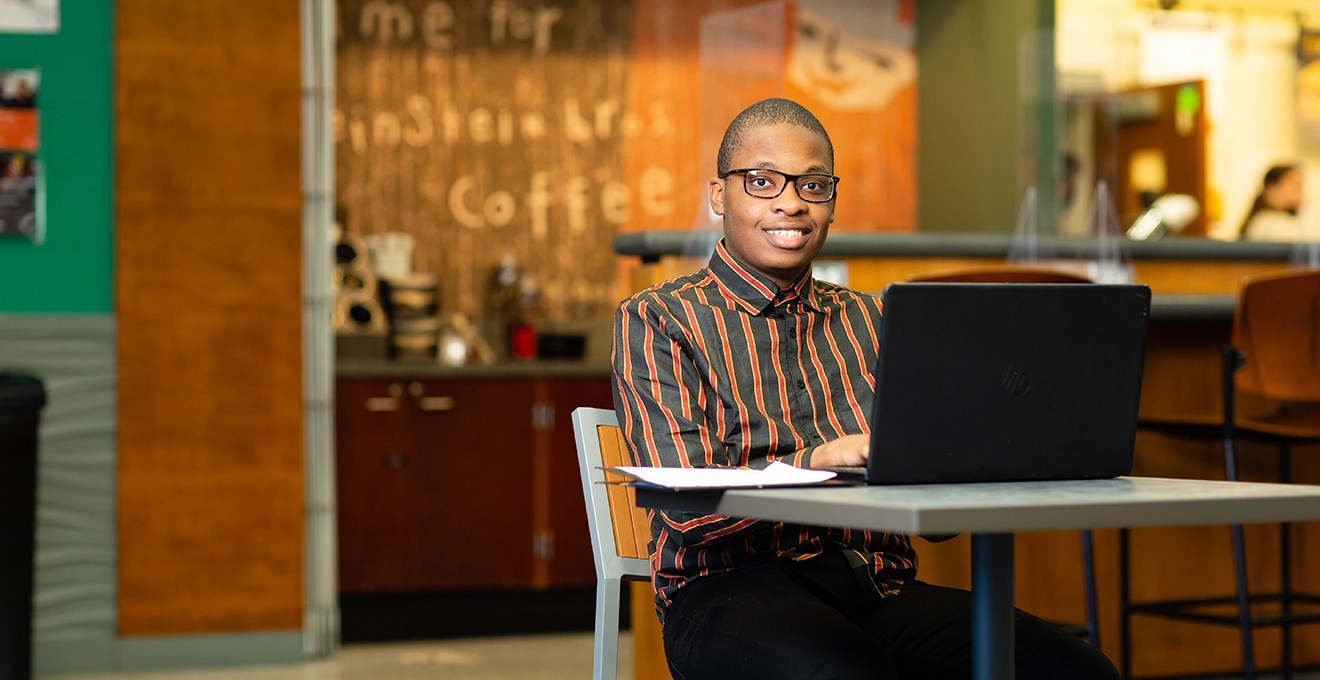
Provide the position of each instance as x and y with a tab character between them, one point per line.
403	370
651	245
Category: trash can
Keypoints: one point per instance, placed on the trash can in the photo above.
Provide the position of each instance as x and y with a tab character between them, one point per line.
21	400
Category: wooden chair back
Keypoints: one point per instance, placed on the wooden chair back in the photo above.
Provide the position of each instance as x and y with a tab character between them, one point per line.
1277	328
999	274
632	531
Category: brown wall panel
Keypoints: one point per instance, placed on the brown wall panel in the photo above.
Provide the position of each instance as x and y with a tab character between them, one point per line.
208	298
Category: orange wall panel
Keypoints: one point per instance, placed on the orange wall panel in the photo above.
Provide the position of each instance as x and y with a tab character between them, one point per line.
208	300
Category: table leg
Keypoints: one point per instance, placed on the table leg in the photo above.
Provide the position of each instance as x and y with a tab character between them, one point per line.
992	606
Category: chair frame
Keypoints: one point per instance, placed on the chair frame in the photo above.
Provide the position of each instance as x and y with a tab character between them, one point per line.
1233	360
611	568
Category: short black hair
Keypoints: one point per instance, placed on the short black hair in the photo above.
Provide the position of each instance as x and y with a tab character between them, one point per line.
767	112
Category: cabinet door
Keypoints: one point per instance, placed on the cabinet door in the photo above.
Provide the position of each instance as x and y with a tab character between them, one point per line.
470	484
572	563
377	536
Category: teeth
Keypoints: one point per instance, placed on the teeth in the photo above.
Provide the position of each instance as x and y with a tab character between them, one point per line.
787	233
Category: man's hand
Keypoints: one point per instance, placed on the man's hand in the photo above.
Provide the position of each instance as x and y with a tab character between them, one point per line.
848	451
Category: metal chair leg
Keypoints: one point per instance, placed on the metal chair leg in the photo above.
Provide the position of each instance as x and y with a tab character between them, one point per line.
1233	360
1244	606
1088	565
1124	607
1285	569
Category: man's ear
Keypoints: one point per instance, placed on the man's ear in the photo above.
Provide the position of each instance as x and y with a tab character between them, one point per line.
717	196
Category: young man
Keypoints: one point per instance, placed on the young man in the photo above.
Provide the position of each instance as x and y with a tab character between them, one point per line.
748	361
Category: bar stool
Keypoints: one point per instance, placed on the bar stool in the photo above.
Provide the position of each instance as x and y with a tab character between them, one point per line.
1274	359
1018	274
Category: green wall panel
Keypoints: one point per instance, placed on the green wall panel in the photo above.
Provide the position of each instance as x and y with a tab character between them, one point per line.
71	272
967	110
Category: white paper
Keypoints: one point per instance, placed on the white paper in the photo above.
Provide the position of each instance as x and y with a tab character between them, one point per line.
777	474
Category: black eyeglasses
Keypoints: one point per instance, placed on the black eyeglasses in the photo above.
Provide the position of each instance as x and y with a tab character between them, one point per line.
761	183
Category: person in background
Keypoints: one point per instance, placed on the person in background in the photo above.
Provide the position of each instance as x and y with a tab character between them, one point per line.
1273	215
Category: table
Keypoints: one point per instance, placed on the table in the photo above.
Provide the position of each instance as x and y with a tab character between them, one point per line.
993	512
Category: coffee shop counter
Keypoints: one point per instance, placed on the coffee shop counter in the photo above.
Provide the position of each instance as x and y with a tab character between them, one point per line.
1194	284
433	457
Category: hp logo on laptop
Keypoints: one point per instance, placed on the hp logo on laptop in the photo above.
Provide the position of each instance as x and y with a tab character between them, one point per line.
1015	382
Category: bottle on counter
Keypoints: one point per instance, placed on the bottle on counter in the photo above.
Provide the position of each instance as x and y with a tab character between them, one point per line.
522	326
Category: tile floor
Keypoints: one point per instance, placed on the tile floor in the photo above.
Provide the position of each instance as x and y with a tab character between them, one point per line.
565	656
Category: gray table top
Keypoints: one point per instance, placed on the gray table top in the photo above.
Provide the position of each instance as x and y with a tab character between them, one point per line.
1010	506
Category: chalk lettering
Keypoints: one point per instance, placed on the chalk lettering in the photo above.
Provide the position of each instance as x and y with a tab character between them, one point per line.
538	202
386	129
450	117
614	206
655	186
498	208
438	26
422	132
576	128
533	125
576	200
605	111
385	19
481	125
457	208
357	130
505	127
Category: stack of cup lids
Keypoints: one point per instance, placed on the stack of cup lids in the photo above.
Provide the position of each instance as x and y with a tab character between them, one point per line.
413	300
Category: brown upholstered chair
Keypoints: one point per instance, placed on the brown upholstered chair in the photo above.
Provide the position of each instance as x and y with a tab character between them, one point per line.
619	529
999	274
1271	393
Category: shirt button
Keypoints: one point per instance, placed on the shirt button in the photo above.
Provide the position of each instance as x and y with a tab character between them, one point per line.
792	332
802	384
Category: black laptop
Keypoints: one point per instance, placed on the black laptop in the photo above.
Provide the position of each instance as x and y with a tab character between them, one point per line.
985	382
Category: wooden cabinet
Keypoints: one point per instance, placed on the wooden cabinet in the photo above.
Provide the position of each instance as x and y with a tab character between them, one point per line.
462	483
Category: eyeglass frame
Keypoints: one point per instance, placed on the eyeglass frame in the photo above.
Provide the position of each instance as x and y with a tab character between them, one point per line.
790	179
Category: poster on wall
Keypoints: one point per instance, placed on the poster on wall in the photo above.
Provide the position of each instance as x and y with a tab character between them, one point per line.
19	163
29	16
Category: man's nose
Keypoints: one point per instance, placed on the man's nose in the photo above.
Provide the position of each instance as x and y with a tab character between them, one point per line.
789	202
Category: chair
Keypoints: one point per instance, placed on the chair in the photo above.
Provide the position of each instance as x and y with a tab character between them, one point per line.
1273	366
1016	274
999	274
619	529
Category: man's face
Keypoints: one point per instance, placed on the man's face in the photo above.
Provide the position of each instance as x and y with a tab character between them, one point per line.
777	237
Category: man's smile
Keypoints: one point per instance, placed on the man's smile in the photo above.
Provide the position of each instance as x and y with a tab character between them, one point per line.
788	237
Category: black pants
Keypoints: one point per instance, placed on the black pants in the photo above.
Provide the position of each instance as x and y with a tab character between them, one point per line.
812	619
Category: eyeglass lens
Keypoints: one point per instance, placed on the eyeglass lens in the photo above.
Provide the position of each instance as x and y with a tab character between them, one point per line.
770	183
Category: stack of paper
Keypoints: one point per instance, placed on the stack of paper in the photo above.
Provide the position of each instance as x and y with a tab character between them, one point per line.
777	474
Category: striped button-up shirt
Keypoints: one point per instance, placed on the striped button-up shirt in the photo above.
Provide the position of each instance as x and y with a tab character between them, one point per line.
723	368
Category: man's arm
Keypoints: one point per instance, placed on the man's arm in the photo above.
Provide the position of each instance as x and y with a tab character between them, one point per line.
660	400
660	403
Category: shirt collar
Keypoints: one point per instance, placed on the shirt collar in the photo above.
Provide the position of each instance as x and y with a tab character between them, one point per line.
754	291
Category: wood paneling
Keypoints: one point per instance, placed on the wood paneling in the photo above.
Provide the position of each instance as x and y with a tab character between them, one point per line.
208	299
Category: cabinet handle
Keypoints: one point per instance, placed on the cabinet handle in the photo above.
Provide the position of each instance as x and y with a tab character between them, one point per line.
382	404
436	403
